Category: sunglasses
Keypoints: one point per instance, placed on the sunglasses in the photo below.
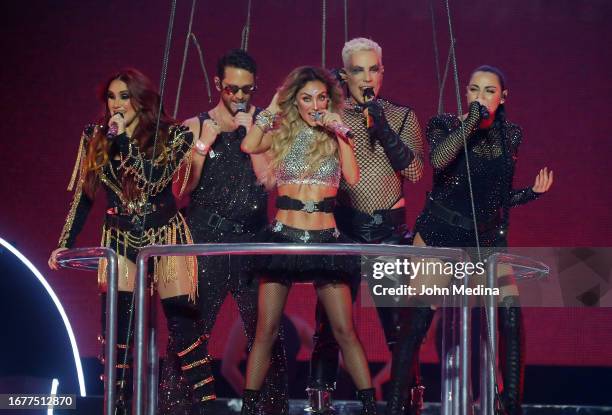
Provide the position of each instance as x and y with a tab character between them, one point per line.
233	89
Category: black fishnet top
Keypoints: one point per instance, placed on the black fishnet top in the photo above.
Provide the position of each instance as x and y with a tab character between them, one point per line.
379	186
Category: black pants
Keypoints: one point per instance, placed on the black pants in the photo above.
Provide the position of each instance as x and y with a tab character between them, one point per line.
221	275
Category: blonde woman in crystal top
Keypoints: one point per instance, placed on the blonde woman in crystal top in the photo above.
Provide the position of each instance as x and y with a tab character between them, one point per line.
307	163
118	154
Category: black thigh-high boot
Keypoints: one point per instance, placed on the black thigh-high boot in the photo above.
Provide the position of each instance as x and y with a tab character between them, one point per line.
390	319
250	402
414	323
512	356
123	366
368	401
189	342
174	392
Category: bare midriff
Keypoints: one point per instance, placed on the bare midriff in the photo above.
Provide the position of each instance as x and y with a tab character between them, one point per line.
305	220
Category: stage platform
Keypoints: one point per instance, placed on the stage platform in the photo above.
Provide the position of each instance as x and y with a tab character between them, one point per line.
93	405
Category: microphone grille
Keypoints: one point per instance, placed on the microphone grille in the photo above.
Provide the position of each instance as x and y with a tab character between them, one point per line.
368	94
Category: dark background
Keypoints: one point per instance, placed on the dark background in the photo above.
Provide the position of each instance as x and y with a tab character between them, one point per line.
555	54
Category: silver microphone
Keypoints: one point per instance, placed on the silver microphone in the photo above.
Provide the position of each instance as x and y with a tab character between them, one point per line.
337	128
241	107
113	130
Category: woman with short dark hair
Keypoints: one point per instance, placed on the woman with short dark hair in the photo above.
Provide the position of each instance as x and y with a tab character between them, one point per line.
448	220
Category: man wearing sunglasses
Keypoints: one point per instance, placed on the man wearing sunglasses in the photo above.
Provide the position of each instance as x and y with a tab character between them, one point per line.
228	205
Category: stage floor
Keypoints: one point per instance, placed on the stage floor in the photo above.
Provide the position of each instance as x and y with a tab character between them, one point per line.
93	405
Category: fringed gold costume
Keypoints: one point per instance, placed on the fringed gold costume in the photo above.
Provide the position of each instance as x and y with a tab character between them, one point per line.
150	219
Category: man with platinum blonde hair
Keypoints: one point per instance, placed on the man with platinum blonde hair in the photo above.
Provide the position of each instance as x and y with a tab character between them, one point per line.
389	150
360	44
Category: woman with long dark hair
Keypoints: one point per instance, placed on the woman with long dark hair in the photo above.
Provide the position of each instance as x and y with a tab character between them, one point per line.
307	163
134	162
447	219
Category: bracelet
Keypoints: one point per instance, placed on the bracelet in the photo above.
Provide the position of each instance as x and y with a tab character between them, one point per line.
201	148
265	120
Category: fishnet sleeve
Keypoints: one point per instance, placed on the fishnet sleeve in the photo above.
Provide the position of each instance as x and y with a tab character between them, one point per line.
445	137
410	134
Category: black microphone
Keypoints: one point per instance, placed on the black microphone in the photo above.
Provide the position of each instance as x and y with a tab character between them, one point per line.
241	107
113	130
484	112
337	128
368	95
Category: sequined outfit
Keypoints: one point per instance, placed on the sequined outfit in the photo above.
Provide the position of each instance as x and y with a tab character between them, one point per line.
325	271
492	156
131	224
447	221
320	269
293	169
230	206
364	214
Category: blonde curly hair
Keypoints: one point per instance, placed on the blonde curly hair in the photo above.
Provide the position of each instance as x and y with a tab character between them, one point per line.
291	123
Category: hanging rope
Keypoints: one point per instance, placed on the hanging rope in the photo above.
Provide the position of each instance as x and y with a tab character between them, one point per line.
436	56
460	114
202	65
453	57
246	30
162	90
441	79
443	83
162	87
184	62
345	21
323	32
191	37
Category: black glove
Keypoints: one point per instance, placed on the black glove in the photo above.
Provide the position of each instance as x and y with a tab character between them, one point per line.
399	154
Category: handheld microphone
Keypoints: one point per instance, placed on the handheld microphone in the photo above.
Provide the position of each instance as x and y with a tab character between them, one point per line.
368	95
241	107
484	112
113	129
336	128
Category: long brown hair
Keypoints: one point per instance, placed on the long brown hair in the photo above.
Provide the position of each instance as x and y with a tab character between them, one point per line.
146	101
324	144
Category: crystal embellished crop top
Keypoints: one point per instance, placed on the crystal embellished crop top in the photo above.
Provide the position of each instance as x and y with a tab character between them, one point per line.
293	169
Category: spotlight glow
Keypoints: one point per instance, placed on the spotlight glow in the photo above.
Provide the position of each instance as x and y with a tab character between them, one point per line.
58	304
54	386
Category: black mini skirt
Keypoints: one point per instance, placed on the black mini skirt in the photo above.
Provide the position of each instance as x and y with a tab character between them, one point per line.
320	269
